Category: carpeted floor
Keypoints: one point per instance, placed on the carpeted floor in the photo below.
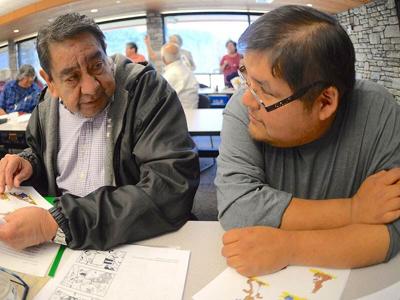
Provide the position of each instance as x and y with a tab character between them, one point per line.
205	200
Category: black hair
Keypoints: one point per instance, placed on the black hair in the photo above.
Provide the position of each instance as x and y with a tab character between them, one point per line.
305	46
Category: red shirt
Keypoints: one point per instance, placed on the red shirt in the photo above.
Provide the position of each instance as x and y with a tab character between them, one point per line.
137	58
233	64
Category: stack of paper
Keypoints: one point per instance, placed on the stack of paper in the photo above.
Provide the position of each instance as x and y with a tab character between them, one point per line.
34	260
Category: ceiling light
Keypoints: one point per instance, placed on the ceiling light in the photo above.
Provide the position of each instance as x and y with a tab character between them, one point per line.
309	4
16	30
118	2
264	1
94	10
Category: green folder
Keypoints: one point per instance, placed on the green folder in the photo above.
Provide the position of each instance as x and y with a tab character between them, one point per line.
60	252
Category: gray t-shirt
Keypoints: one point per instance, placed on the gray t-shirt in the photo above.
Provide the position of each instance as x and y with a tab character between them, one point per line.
256	182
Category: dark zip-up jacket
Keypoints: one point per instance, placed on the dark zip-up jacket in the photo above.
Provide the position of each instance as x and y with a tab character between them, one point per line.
150	159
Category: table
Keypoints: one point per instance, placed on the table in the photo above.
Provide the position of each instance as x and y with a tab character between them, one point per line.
203	239
12	134
204	121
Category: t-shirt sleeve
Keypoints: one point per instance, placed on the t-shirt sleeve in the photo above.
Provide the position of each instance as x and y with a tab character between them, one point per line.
244	199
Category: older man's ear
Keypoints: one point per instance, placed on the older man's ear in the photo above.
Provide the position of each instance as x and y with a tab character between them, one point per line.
49	82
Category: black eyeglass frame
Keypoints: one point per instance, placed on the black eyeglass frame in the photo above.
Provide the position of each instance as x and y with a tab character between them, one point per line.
296	95
20	282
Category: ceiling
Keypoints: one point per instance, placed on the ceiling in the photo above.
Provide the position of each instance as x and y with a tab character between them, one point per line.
28	16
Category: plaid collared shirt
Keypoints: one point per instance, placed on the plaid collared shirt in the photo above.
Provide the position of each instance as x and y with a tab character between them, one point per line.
15	98
81	154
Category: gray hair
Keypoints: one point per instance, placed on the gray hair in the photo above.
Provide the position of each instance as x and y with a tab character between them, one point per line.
26	71
170	52
65	27
177	39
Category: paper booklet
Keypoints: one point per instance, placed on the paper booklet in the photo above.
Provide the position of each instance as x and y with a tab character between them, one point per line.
291	283
33	260
127	272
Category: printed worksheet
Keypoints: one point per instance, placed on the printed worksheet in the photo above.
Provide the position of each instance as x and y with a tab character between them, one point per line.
291	283
34	260
127	272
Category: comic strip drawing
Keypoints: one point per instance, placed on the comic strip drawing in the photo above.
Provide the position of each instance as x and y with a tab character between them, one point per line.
88	280
319	278
107	260
253	292
61	294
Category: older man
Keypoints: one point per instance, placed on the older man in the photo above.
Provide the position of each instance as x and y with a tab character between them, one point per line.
109	140
308	166
179	76
22	94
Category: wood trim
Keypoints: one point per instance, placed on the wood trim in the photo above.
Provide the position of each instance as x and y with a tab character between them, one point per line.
32	9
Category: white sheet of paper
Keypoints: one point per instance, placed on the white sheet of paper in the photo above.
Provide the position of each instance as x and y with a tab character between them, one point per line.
390	293
292	283
34	260
127	272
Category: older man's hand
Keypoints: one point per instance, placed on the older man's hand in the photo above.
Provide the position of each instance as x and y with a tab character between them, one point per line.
14	170
27	226
256	250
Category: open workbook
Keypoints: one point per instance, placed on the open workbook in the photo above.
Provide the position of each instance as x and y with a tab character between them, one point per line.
33	260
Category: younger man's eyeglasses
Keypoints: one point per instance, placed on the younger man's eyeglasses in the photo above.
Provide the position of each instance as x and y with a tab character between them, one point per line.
296	95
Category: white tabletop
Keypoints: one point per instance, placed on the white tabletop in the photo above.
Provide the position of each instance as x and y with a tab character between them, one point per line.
204	121
210	91
203	239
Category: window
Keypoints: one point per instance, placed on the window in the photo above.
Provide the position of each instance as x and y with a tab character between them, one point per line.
4	58
205	35
27	54
121	32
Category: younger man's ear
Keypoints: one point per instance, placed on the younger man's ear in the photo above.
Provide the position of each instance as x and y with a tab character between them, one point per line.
328	102
49	82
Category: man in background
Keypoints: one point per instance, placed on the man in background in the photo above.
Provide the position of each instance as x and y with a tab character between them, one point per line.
131	52
179	76
186	55
22	94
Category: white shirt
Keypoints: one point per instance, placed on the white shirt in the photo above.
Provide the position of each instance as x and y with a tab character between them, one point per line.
185	84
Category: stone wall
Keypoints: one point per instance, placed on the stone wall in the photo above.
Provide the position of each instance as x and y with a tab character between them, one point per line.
155	30
375	32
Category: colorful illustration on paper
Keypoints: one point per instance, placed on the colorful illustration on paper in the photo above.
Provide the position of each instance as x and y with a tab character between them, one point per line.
253	292
319	278
4	197
289	296
24	197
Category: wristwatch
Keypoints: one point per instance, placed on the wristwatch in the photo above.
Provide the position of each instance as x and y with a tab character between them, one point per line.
63	234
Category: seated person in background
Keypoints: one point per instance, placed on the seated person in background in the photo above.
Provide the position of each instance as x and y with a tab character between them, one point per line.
131	52
179	76
230	62
109	139
22	94
308	166
186	55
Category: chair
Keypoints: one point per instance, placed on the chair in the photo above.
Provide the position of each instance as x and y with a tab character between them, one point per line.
204	102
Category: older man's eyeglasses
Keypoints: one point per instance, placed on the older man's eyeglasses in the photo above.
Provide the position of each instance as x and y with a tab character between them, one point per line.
18	289
296	95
